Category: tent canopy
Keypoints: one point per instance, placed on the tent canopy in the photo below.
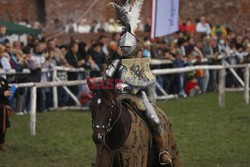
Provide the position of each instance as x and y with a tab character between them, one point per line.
13	28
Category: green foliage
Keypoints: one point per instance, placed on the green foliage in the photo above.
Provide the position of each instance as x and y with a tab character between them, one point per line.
207	136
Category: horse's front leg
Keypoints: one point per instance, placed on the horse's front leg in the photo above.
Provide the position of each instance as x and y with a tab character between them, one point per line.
104	157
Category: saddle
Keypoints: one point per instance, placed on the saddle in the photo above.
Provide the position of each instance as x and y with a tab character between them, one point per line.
134	103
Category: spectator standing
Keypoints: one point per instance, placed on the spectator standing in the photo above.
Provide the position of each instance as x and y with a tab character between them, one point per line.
54	53
199	74
4	111
4	60
207	50
73	59
179	63
97	54
103	41
38	59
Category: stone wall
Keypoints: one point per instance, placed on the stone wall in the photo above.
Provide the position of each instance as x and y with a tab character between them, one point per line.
16	10
235	13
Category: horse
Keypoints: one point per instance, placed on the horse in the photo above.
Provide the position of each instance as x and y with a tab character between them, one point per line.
121	135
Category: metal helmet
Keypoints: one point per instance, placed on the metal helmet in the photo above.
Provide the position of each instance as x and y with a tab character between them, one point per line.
127	43
128	14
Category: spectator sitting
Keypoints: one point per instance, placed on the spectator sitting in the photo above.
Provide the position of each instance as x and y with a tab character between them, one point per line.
182	26
83	27
218	30
113	26
71	27
203	26
190	27
94	26
3	38
192	88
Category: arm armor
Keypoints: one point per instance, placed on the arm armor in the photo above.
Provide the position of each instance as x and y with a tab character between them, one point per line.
111	69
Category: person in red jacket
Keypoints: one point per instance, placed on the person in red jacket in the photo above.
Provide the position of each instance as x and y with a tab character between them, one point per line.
192	88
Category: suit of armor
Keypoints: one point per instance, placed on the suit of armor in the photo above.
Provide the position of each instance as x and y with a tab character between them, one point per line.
117	70
128	15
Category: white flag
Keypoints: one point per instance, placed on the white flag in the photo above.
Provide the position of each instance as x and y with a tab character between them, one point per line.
165	15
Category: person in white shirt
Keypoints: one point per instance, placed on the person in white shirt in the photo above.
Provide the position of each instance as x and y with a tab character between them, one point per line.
203	26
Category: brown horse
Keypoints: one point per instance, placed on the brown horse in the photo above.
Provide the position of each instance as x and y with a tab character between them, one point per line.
121	135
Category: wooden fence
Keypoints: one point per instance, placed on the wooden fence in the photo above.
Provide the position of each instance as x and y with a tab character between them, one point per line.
56	82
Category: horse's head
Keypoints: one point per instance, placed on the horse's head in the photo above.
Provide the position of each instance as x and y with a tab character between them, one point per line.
103	112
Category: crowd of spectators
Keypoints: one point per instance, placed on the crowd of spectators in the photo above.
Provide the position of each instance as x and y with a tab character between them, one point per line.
191	45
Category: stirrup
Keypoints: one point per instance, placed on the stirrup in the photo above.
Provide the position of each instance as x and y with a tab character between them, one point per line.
167	163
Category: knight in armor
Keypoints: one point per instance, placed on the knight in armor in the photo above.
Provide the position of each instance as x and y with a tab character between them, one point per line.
128	15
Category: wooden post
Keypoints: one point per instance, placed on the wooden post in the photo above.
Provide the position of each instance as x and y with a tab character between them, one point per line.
33	96
246	90
69	93
55	95
222	75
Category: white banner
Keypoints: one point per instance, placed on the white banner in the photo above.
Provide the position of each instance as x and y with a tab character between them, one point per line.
165	15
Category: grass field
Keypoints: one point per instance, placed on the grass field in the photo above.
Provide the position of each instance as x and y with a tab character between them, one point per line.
207	136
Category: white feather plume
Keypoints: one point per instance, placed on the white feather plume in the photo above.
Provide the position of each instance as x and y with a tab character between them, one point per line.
128	14
134	15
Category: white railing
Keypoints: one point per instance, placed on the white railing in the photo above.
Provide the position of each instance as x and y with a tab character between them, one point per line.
56	82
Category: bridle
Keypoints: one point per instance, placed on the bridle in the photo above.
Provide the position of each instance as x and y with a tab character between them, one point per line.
110	125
